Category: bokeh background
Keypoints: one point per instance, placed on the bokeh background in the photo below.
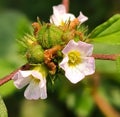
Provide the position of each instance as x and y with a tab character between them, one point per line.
64	98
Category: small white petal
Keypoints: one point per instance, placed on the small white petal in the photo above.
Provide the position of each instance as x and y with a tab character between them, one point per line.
43	91
74	75
32	91
37	75
60	16
67	17
82	18
70	46
85	48
55	20
26	73
88	65
20	81
63	63
60	9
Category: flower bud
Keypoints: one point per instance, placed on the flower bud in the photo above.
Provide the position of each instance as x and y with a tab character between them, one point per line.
50	35
35	54
68	35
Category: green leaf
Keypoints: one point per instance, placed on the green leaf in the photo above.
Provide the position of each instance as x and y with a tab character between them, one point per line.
3	110
108	32
13	25
118	64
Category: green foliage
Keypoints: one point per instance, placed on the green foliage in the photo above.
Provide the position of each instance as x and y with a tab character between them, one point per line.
109	66
3	110
118	64
81	102
108	32
40	109
12	26
78	100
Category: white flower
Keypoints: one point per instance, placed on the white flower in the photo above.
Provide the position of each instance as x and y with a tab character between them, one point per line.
37	84
60	16
82	18
77	62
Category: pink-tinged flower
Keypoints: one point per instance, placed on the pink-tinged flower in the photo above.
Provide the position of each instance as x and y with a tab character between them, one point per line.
60	16
36	82
77	61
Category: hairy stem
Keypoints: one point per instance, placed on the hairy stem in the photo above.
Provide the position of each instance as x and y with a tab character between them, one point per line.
112	57
9	77
66	4
104	106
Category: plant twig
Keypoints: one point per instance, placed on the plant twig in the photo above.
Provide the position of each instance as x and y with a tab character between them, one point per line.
104	106
9	77
112	57
66	4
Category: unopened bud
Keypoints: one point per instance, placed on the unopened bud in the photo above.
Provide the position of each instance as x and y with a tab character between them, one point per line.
35	54
50	35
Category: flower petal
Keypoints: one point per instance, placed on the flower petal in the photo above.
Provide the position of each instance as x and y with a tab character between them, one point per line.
82	18
64	63
59	9
67	17
85	48
19	80
43	91
70	46
60	16
74	75
88	66
55	20
32	91
26	73
37	75
36	90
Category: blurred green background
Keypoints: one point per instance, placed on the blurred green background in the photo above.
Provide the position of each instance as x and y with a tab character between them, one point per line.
64	99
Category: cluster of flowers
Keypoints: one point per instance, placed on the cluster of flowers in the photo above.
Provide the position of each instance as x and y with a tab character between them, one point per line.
59	44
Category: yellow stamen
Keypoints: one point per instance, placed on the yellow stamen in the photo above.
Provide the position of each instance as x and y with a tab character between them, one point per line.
74	58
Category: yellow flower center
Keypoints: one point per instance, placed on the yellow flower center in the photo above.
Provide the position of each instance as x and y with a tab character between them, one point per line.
36	80
62	23
74	58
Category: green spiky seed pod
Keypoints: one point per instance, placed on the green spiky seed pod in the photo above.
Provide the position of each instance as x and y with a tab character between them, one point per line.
68	35
50	35
35	54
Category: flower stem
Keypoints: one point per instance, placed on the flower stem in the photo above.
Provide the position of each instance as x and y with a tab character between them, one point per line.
112	57
9	77
104	106
66	4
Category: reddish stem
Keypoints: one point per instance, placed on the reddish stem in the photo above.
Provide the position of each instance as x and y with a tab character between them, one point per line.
104	106
66	4
9	77
112	57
